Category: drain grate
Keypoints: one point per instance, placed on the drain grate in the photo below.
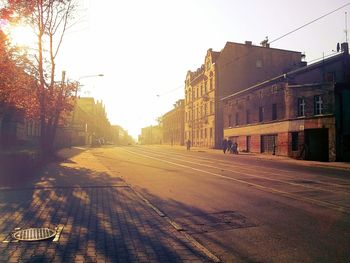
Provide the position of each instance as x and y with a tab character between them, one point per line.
34	234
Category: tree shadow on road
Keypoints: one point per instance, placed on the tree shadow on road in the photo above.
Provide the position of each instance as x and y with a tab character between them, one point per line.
249	239
102	220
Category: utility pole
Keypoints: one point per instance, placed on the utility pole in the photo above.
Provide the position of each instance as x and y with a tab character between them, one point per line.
346	27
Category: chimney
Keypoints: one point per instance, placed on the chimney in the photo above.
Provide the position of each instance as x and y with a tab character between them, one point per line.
248	43
345	47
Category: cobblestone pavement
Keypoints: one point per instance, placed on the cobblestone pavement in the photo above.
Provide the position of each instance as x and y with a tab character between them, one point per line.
102	221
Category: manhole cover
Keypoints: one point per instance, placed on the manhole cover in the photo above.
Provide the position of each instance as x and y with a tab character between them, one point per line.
34	234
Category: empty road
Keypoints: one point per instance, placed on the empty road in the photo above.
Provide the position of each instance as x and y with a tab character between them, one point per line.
241	208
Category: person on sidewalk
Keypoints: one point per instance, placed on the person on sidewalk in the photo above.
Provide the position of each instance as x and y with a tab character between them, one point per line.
229	146
224	145
235	148
188	144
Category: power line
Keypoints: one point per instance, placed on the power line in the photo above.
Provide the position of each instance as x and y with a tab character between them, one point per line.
249	53
170	91
275	40
335	10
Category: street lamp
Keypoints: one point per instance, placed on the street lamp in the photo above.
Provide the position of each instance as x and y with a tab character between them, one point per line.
83	77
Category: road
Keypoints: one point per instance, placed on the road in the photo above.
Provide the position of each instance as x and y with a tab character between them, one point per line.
240	208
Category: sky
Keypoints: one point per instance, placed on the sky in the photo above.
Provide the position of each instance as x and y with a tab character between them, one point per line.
145	48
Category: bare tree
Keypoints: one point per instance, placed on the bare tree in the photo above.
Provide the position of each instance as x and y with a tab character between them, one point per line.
50	19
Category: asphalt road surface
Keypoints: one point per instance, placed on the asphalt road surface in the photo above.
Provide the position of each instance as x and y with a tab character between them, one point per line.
242	209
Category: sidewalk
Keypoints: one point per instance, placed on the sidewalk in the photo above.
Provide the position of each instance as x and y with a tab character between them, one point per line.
102	219
336	165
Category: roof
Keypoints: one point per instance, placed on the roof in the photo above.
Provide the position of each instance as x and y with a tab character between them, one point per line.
260	47
289	74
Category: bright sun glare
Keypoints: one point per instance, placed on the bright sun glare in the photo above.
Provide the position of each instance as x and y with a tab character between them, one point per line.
22	36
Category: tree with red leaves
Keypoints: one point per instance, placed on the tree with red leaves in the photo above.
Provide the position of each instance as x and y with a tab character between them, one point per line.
16	84
52	99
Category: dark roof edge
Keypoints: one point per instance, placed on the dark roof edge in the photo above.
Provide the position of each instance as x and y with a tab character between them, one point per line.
255	46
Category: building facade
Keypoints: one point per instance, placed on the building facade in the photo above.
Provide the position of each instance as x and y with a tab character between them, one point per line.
17	130
89	122
173	124
120	136
301	114
151	135
234	68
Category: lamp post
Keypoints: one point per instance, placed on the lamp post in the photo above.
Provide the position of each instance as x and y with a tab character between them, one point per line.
84	77
75	103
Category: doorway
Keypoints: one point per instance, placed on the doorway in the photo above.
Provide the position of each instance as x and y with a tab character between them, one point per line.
316	143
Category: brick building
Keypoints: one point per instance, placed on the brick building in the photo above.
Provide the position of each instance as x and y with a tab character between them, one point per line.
301	113
173	124
234	68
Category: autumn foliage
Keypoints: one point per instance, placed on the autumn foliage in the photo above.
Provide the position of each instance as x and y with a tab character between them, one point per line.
16	85
28	83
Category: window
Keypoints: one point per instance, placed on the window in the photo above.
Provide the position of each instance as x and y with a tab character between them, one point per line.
205	133
211	132
274	111
29	128
268	144
206	86
229	121
261	94
274	89
211	107
295	138
237	119
259	63
211	83
318	105
248	116
261	114
301	107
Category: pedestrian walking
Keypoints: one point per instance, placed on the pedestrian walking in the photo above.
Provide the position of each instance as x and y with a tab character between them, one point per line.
188	144
235	148
224	145
229	146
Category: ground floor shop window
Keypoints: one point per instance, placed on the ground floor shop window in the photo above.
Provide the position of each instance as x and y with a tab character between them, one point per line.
268	143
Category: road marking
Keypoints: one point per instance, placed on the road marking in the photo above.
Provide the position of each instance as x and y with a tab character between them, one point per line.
257	167
262	177
260	187
179	228
205	158
191	239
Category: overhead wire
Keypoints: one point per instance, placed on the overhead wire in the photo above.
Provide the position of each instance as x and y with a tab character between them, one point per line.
309	23
273	41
